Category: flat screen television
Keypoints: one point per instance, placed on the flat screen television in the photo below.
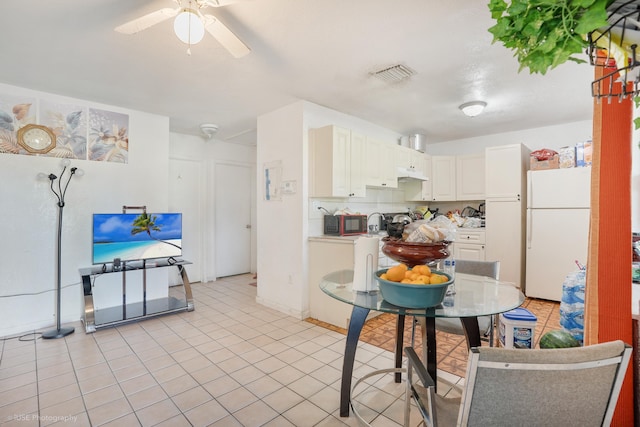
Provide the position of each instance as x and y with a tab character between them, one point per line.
134	237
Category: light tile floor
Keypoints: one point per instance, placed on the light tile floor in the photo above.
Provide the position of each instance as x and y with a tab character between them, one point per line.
231	362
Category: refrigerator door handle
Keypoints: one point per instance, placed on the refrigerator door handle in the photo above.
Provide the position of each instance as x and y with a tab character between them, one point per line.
529	228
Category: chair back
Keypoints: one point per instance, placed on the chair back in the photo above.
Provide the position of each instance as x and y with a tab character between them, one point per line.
565	387
480	268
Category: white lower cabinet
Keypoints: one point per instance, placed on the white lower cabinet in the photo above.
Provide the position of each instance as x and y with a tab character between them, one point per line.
327	255
470	245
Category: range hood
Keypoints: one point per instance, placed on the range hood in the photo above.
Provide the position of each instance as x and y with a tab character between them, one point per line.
405	174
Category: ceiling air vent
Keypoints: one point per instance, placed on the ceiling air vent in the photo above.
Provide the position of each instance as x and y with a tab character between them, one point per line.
393	74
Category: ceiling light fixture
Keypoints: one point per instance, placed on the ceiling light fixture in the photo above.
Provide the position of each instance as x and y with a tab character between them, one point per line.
209	129
189	27
473	108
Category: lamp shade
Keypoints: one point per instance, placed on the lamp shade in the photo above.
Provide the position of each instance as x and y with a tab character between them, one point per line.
473	108
188	27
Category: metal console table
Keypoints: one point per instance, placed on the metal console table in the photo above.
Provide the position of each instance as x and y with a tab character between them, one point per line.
129	312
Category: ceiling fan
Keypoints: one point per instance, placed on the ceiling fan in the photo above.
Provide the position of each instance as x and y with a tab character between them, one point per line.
190	24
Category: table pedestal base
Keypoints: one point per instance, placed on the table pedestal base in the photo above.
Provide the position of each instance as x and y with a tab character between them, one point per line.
428	331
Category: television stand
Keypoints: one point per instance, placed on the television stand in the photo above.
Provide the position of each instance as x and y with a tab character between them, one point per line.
131	312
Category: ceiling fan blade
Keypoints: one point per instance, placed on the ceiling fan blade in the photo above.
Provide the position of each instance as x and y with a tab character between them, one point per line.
220	3
227	39
147	21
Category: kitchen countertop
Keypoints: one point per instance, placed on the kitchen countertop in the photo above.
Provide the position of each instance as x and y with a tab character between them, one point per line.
344	239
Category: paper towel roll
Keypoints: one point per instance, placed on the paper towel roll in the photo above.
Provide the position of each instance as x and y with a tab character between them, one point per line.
365	260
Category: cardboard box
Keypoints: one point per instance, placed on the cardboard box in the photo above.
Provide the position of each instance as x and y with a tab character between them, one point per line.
584	154
567	157
588	153
538	165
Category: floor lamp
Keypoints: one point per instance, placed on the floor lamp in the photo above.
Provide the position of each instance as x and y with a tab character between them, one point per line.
60	192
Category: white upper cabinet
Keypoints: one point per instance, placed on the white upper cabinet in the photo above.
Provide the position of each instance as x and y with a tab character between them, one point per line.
336	162
419	191
505	176
357	175
380	166
410	159
443	172
470	171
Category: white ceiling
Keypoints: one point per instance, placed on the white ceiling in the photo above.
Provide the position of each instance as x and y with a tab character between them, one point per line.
317	50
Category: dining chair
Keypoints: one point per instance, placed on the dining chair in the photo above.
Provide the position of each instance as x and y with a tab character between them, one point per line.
486	323
565	387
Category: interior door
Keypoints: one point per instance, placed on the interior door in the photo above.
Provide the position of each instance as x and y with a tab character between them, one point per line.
232	219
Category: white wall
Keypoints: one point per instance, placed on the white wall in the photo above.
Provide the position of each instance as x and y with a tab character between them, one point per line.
203	155
552	137
280	226
29	213
283	226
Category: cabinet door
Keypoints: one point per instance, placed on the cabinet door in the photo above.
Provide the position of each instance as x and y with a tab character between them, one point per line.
381	164
357	178
417	161
329	158
427	186
387	165
469	251
504	238
443	171
504	177
419	191
470	172
410	159
341	161
402	156
336	165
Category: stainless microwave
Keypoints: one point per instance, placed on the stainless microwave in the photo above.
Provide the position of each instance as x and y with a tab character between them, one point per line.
345	225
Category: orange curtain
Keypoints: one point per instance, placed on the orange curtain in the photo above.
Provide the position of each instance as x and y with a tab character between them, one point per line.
608	290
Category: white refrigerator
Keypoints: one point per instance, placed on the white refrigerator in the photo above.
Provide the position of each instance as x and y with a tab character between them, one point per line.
557	228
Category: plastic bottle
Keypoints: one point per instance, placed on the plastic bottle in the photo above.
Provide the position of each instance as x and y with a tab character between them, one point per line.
447	266
450	269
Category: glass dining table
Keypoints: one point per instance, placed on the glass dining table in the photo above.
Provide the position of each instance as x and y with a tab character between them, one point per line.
474	296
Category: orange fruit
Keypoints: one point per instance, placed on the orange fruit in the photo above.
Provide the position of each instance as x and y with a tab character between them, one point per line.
422	270
395	273
383	276
436	279
424	279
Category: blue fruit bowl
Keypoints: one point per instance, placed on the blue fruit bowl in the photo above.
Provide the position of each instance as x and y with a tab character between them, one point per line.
413	296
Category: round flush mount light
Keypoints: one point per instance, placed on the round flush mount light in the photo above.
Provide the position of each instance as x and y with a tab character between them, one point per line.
188	27
473	108
209	129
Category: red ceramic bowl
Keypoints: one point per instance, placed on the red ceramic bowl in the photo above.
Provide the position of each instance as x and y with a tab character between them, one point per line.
413	254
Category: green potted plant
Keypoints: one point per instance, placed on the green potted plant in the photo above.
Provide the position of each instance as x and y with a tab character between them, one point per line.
546	33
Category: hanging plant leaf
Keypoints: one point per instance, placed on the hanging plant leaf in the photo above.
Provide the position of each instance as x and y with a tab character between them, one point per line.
546	33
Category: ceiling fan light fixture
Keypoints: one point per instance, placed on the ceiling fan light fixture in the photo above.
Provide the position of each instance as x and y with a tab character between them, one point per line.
473	108
188	27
